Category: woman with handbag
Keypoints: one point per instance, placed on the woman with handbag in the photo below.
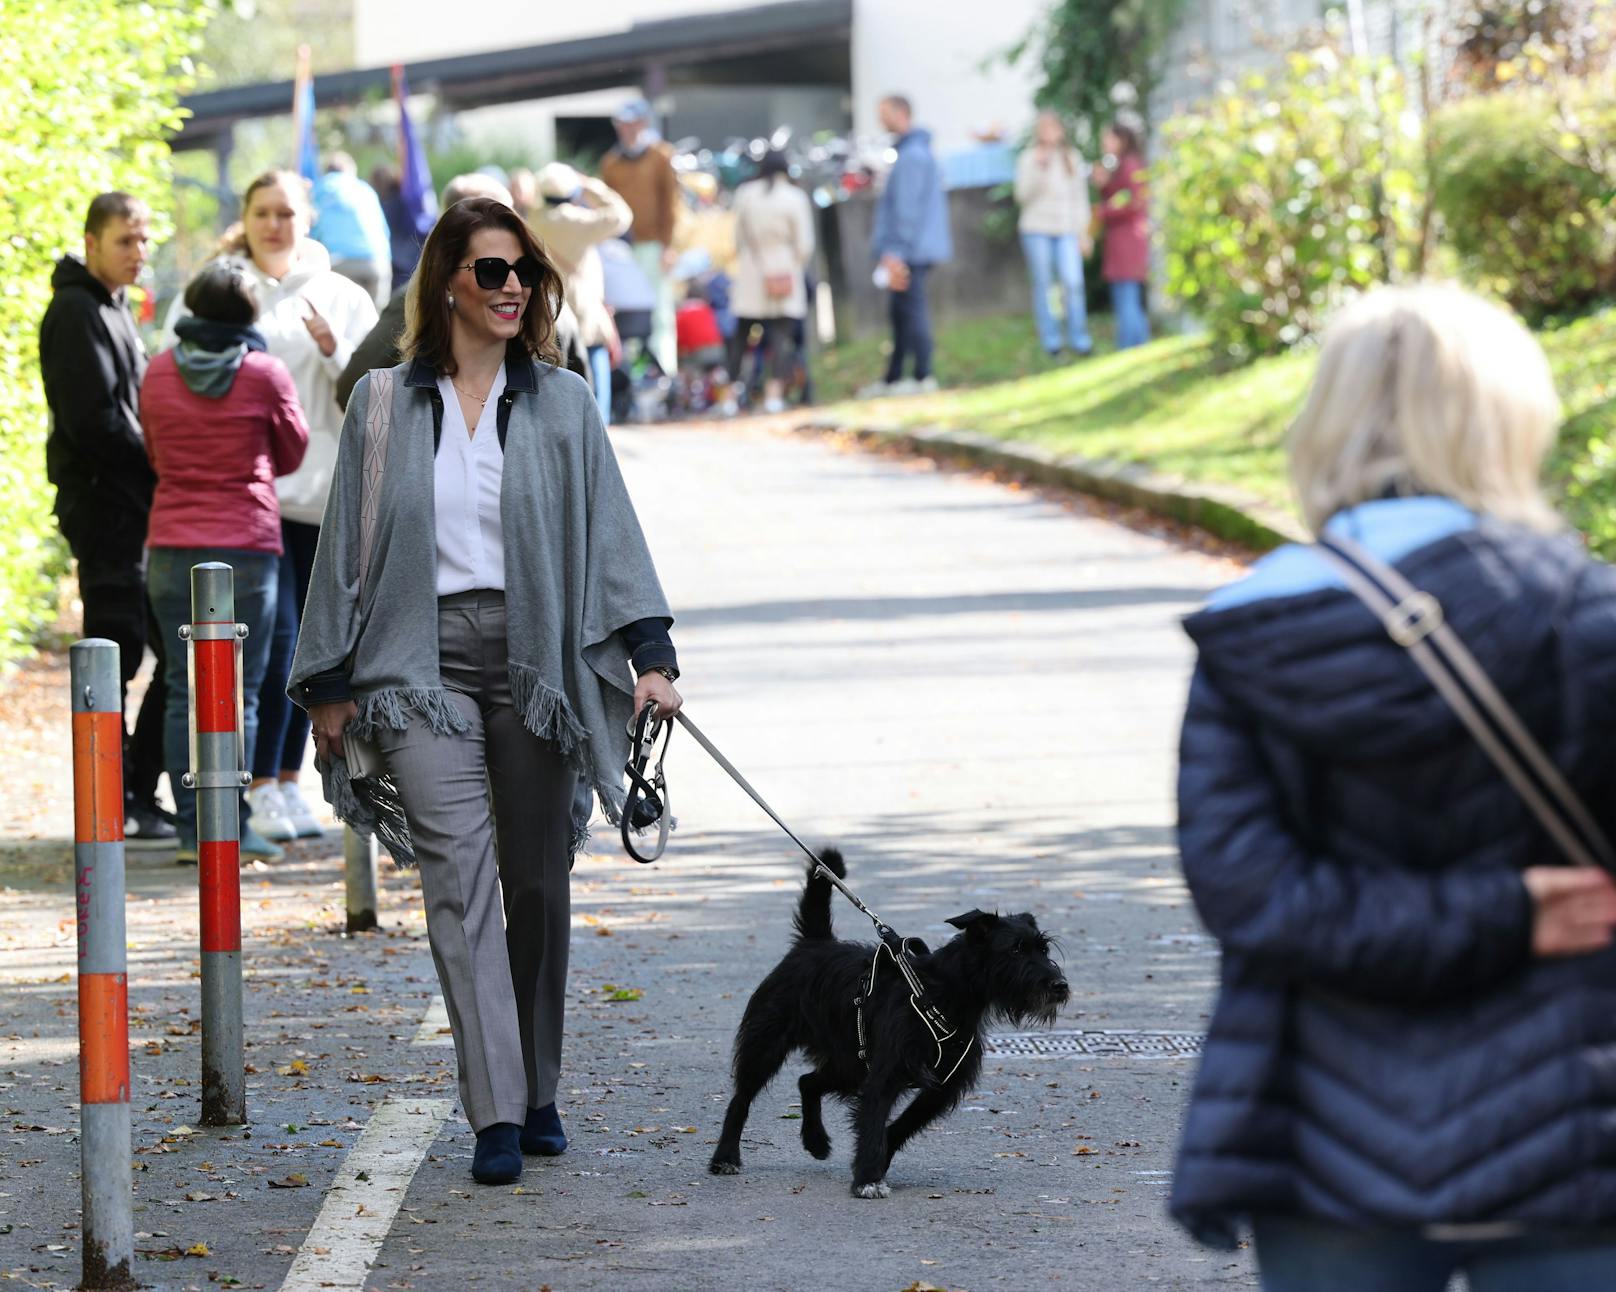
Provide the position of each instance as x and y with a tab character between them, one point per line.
479	594
1397	745
774	239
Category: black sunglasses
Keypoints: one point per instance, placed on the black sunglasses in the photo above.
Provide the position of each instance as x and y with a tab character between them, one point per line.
491	272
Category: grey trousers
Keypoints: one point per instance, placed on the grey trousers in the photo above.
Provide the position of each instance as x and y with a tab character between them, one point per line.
502	964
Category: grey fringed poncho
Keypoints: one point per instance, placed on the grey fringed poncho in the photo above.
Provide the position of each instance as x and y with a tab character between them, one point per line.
577	571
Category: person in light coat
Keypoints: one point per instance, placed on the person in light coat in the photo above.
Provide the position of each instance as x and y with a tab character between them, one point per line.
774	240
574	215
1052	189
311	318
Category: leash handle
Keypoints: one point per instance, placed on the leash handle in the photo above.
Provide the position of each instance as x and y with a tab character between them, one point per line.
642	789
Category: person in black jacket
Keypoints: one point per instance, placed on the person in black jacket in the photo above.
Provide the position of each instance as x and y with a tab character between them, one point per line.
92	362
1411	1068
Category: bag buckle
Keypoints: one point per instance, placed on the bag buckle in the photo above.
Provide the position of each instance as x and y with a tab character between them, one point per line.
1414	618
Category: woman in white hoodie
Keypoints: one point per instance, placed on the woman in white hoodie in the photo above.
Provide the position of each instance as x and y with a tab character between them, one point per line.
311	318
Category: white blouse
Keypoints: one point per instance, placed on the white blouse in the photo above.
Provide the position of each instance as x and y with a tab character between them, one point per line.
467	473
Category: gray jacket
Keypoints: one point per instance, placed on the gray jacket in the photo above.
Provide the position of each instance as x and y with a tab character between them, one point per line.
577	574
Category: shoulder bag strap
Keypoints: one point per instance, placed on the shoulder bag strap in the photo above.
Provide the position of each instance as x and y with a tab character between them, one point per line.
1414	620
378	430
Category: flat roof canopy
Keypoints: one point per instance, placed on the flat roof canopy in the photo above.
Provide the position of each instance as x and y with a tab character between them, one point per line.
806	42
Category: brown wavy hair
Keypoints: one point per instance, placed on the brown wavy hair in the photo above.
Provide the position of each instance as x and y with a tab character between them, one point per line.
426	309
234	242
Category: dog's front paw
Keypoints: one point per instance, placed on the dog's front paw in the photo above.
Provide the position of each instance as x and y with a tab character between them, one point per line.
880	1189
725	1164
816	1141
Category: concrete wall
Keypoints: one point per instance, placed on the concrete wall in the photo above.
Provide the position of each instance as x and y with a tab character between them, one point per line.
945	55
985	277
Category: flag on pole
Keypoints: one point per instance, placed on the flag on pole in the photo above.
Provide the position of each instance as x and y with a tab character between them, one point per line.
308	156
416	194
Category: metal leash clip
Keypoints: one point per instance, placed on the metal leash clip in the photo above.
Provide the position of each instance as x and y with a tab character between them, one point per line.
646	804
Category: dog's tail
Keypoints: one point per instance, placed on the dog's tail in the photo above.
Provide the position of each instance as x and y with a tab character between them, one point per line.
813	911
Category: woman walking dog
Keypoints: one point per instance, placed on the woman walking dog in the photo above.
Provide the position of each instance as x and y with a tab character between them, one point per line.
1409	1071
475	612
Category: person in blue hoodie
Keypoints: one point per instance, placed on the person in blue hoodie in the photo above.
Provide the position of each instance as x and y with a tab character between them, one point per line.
911	238
1411	1067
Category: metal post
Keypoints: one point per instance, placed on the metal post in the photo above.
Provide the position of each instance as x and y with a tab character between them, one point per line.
218	772
104	1152
359	870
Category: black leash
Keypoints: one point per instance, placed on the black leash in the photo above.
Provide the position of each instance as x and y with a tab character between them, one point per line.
648	793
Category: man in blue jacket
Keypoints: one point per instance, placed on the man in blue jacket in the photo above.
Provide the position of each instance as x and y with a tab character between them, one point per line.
911	236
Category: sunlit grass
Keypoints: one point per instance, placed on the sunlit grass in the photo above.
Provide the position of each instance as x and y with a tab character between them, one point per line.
1175	407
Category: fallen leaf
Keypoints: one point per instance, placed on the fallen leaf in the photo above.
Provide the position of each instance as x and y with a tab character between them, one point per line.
297	1181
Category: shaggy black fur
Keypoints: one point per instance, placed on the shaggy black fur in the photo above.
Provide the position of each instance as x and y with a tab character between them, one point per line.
998	966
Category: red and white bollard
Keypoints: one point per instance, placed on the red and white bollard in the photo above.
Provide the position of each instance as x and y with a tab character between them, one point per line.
218	773
104	1145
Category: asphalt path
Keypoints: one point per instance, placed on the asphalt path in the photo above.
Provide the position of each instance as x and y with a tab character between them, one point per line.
973	689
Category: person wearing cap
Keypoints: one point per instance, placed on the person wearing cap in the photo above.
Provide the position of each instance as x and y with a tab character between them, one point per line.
573	215
640	168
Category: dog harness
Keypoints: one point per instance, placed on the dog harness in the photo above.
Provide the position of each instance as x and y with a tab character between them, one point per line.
647	802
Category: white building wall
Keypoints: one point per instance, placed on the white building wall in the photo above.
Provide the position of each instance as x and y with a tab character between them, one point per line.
946	56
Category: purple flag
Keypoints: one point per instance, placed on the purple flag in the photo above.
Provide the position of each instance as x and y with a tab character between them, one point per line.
416	194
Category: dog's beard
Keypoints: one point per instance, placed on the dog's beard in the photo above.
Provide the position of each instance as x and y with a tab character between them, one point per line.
1023	1016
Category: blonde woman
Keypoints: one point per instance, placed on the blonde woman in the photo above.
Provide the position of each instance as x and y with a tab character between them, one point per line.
1411	1069
1052	190
311	318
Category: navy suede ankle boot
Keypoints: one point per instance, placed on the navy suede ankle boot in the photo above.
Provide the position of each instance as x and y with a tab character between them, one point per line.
543	1134
498	1159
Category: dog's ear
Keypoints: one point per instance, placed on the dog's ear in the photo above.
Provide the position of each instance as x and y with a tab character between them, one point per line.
976	923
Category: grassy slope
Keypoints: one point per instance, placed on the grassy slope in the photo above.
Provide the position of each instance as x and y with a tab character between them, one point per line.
1173	407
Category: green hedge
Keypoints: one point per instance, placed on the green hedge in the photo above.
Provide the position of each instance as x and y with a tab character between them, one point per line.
1529	219
88	95
1278	199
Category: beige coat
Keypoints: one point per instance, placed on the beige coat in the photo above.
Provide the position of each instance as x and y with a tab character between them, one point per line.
774	234
1053	199
569	232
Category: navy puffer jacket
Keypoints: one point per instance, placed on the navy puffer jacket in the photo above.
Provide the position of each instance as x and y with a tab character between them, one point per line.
1385	1051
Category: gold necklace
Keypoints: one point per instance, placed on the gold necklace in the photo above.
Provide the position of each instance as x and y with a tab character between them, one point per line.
481	402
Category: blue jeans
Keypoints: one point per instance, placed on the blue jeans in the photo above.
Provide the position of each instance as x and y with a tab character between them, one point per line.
168	584
283	727
1299	1255
600	377
1128	304
911	327
1051	258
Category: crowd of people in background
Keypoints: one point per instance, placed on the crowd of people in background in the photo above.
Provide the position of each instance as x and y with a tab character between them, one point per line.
674	299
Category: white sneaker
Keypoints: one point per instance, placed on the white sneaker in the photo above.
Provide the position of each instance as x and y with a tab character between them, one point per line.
774	405
926	386
268	813
903	386
298	810
875	390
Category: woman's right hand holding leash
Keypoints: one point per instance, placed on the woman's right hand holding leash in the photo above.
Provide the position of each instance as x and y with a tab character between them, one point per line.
329	722
1574	909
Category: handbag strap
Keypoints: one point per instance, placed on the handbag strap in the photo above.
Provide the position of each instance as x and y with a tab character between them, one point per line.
378	430
1414	620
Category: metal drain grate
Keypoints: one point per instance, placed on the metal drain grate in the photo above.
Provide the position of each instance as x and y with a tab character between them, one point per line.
1097	1045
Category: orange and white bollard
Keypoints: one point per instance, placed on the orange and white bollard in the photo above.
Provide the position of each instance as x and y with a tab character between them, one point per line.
104	1139
218	773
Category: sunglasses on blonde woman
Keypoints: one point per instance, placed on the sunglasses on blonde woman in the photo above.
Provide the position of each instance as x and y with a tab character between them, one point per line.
491	272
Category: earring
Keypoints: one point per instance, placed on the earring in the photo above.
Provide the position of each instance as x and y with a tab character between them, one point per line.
451	300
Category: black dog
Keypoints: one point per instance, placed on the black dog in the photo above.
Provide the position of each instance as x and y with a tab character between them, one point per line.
997	967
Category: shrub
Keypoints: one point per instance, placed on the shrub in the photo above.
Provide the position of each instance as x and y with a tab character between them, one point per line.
1521	200
1281	197
88	92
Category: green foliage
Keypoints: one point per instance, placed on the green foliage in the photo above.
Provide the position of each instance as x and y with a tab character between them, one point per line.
1087	48
1280	198
1522	199
87	93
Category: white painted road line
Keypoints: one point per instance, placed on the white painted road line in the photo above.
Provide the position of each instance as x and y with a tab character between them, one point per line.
434	1029
366	1195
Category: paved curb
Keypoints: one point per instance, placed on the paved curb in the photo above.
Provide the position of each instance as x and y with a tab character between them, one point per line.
1226	512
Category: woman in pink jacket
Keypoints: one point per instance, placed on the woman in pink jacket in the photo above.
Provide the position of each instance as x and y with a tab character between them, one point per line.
222	421
1125	262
